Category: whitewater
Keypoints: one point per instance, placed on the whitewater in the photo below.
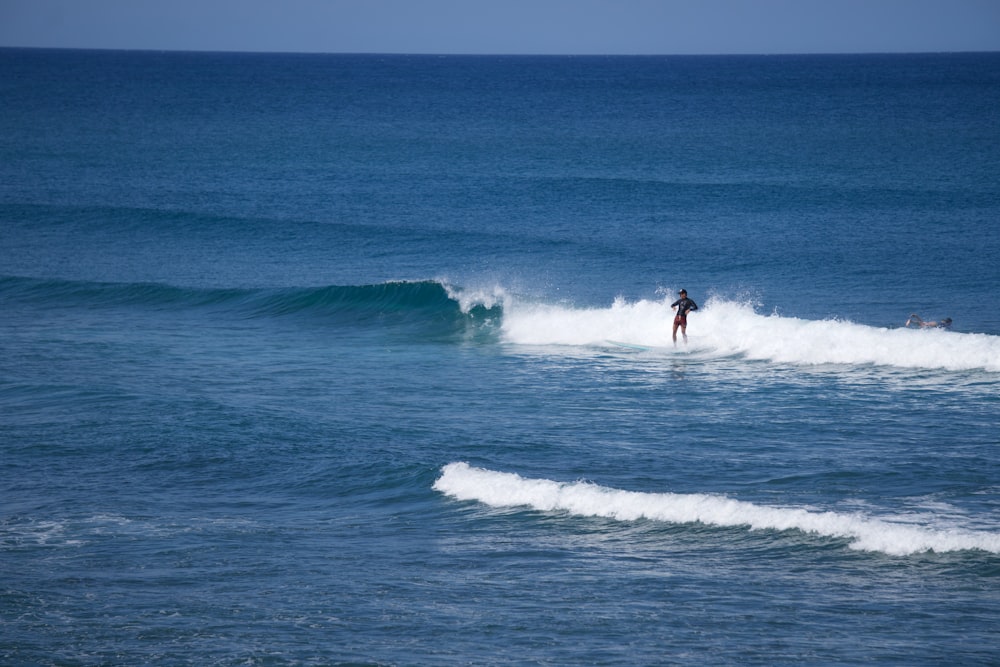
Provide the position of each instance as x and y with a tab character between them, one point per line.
896	536
725	328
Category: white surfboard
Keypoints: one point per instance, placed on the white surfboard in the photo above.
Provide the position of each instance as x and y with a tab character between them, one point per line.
631	346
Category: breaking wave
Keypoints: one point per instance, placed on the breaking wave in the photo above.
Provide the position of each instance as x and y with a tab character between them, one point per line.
895	537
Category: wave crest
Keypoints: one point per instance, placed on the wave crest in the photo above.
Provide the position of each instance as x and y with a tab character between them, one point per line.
499	489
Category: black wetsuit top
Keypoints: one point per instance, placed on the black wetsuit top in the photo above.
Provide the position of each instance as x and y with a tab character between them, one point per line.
684	305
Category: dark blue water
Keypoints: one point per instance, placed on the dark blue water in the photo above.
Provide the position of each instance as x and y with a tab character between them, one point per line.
368	360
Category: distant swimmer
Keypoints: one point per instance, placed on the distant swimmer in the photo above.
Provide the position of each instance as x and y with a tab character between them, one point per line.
683	306
917	322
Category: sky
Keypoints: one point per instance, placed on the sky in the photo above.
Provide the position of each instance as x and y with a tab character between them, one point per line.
645	27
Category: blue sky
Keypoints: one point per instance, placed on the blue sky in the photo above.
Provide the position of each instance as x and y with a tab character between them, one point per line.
507	26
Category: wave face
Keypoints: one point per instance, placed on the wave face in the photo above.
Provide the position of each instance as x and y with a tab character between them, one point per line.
728	328
429	302
895	537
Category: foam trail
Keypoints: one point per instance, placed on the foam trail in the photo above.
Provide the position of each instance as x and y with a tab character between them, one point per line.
499	489
725	328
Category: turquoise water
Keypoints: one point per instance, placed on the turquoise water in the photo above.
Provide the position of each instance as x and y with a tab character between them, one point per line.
312	359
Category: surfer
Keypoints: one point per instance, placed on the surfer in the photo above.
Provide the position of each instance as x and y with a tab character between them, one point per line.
916	321
683	306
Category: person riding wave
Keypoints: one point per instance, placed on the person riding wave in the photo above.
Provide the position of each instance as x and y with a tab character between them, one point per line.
683	306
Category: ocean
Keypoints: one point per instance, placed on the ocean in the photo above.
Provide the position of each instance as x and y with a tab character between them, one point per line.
367	360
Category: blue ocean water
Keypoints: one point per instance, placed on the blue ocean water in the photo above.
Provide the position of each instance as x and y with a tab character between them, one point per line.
367	359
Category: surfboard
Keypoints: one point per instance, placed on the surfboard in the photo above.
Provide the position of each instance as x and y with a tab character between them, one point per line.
630	346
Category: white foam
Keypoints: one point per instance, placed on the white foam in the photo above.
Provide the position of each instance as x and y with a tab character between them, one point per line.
642	322
469	298
725	328
867	533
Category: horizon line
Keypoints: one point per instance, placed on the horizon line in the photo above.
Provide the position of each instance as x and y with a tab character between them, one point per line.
457	54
